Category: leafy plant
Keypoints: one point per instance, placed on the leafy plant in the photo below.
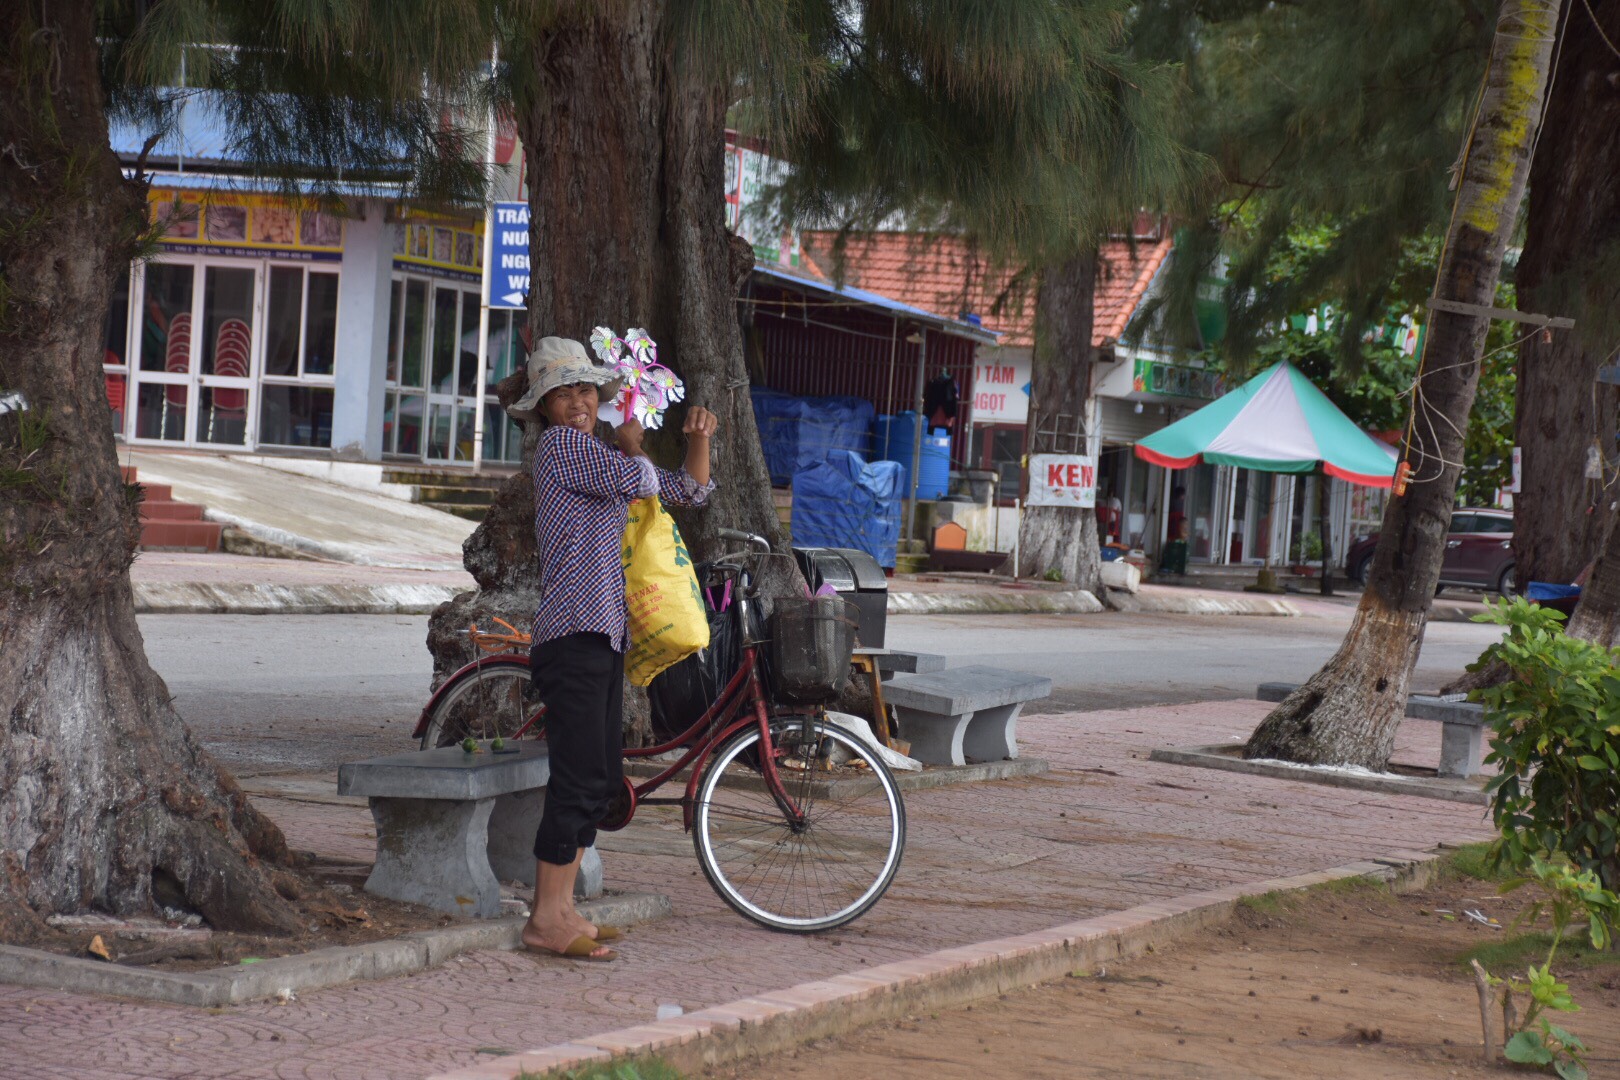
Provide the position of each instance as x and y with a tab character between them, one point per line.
1556	739
1307	548
1535	1040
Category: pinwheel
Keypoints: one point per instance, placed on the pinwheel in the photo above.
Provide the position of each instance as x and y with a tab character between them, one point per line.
649	387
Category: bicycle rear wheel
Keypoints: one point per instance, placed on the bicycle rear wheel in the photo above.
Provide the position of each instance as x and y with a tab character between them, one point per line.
828	871
496	698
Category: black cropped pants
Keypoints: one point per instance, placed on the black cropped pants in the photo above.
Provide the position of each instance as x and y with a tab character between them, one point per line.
581	679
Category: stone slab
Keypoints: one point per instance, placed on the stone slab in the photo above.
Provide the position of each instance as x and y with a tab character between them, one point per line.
965	689
931	776
448	773
413	952
899	661
1226	757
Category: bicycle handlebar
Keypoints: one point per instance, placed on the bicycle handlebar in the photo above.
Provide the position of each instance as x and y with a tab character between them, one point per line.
740	537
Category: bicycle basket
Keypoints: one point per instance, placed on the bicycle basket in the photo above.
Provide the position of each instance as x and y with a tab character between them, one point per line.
812	641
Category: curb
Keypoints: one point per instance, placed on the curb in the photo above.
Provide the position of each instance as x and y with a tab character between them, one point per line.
250	598
1201	604
405	955
996	602
1219	756
774	1021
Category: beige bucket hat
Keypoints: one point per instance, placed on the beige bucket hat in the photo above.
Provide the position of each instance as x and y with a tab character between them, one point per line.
558	362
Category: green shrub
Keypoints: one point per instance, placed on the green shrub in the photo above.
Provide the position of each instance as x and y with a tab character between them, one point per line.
1556	737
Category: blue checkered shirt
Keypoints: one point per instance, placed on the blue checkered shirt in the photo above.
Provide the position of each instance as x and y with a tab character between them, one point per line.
582	496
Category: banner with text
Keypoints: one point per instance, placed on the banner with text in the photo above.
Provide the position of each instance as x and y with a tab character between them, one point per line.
1062	480
509	257
1001	389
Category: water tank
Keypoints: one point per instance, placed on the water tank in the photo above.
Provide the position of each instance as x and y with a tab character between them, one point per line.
893	437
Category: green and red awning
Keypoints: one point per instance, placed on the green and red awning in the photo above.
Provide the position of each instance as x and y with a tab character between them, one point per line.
1276	422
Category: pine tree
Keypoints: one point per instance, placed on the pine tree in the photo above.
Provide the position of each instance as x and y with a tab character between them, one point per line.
106	799
1030	131
1348	712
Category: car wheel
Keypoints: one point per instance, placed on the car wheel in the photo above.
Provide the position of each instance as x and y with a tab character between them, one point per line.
1507	582
1360	571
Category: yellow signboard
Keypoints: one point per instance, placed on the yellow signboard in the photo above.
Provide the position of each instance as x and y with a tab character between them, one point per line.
440	243
245	223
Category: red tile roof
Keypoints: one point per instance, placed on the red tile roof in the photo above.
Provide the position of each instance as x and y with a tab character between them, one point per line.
945	275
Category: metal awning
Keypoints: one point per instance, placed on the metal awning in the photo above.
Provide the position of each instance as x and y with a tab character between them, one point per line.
956	327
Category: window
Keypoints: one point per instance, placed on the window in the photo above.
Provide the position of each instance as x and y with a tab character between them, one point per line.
1461	523
1494	523
430	406
300	355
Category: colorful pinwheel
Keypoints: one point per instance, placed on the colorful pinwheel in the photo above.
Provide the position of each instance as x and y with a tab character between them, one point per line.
649	387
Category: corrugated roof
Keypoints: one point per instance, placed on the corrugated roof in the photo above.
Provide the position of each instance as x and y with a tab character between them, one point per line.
942	273
810	280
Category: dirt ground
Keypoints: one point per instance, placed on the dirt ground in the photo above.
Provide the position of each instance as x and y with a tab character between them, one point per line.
1351	983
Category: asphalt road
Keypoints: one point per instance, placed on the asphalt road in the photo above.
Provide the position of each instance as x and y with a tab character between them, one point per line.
303	693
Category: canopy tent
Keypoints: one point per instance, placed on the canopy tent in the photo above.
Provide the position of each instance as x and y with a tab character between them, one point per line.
1276	422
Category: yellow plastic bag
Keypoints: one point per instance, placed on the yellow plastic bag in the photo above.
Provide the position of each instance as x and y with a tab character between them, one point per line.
667	620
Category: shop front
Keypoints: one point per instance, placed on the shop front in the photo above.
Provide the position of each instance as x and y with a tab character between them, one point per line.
228	338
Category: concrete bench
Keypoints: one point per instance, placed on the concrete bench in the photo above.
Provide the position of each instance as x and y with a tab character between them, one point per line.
969	712
451	826
1462	726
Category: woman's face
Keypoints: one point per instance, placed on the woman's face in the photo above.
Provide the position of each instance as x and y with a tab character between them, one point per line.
572	406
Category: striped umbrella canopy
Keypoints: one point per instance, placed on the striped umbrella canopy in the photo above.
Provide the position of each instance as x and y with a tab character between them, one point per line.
1276	422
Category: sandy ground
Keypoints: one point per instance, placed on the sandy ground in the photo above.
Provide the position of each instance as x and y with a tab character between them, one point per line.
1356	984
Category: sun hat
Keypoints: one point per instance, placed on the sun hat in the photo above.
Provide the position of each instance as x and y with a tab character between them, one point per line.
558	362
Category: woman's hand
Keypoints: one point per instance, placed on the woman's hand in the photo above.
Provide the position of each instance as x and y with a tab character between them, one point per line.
700	423
700	426
628	435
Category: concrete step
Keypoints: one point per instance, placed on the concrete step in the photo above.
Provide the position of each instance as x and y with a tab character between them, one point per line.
180	535
474	512
464	496
170	511
154	492
456	478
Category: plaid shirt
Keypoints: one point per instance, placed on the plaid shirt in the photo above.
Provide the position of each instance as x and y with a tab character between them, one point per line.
582	497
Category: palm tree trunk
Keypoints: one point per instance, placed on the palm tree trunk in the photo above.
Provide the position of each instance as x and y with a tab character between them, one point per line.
1348	712
1061	538
107	802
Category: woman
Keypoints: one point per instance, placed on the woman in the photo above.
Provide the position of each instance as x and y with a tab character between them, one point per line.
582	494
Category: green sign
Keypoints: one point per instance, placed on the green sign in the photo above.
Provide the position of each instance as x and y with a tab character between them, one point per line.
1177	380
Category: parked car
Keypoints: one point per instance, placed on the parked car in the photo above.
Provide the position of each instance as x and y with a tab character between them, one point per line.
1479	552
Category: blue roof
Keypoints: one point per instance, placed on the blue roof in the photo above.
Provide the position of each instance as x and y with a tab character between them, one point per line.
958	327
199	135
213	181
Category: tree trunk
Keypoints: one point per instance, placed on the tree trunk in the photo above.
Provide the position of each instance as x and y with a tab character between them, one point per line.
1348	712
1570	266
1324	519
1597	615
107	802
626	175
1059	538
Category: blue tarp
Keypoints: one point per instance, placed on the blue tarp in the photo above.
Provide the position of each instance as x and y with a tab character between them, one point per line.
797	432
845	502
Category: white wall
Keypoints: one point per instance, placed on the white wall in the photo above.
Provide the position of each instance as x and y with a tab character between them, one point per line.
362	334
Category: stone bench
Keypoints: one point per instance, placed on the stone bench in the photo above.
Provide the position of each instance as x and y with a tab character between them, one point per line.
1461	732
968	712
451	826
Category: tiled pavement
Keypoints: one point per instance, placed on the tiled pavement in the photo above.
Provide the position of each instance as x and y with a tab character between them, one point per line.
1105	830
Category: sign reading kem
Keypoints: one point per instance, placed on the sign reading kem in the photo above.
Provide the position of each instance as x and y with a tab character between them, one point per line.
509	257
1062	480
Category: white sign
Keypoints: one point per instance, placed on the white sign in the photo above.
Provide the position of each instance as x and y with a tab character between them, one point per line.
1062	480
1001	388
1514	485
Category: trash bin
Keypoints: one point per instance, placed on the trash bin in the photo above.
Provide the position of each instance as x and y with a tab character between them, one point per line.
856	577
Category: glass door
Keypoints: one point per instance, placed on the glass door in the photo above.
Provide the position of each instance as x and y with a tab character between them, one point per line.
430	408
194	377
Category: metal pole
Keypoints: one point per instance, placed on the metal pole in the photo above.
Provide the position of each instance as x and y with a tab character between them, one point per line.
917	434
483	284
1018	531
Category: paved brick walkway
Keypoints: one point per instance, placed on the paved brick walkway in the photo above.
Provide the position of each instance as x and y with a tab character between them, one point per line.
1106	829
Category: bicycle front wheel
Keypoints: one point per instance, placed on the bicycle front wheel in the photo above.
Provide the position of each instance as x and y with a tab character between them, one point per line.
496	698
823	873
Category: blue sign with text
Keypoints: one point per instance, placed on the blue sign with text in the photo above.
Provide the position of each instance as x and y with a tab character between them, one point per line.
509	257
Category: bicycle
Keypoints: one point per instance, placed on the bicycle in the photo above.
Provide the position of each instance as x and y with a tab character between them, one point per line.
787	833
